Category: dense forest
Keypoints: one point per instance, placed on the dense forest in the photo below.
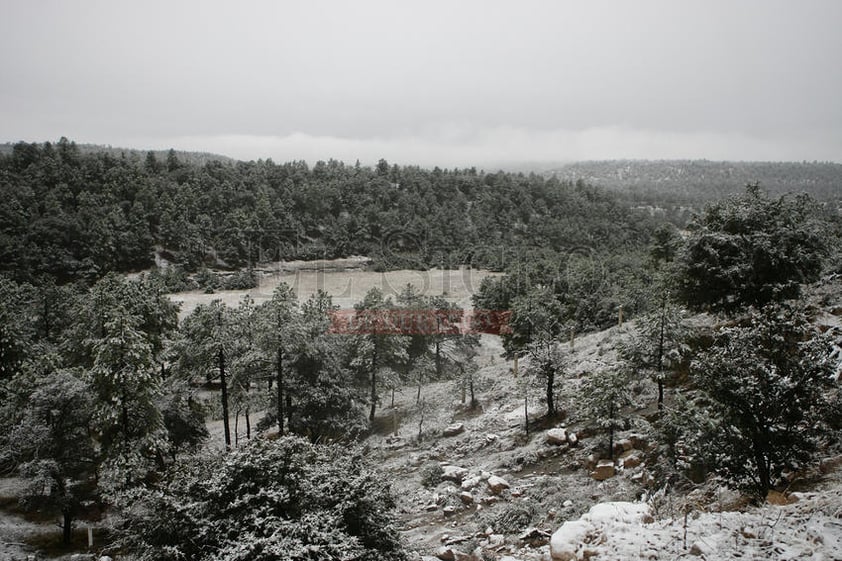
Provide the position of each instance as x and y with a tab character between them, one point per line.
76	215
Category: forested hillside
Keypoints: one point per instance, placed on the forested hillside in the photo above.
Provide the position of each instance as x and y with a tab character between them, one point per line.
78	215
695	181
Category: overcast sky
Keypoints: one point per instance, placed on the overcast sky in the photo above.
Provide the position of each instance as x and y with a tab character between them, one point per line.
451	83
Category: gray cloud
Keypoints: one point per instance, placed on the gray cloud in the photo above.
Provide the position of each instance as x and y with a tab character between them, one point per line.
459	83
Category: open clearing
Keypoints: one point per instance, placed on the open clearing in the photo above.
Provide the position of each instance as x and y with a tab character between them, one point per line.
349	286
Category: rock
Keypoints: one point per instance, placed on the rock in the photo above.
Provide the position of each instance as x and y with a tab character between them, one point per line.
497	484
638	441
490	500
700	549
556	436
641	478
535	537
446	553
491	438
572	439
622	446
470	483
568	503
496	540
466	498
461	556
431	507
604	470
453	473
565	541
449	510
454	429
631	459
105	558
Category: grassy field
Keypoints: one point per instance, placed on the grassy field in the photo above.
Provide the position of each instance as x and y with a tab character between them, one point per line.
349	287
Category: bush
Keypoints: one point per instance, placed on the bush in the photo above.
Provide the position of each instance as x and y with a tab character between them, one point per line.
431	475
284	500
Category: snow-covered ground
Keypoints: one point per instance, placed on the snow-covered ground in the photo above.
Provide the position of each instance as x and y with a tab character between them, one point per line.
810	528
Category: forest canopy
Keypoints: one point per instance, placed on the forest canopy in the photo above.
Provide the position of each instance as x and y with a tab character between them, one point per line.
77	215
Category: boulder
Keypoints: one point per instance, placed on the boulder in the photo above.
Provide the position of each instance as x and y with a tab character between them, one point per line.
496	540
454	429
604	470
621	446
449	510
631	459
466	498
638	441
446	553
565	542
497	484
470	483
453	473
556	436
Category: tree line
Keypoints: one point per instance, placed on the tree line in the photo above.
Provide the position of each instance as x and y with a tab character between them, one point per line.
78	215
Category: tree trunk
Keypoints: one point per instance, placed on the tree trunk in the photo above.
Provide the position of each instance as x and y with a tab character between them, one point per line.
471	388
438	360
764	477
611	432
237	427
280	389
373	386
66	526
225	425
660	362
550	388
248	423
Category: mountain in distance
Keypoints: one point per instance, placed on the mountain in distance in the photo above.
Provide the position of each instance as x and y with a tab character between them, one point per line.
694	181
193	158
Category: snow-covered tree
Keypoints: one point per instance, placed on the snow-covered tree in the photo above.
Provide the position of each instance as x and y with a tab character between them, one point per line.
52	446
749	251
658	345
603	396
284	500
770	388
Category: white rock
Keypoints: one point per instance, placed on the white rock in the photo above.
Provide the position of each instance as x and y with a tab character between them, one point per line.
556	436
565	542
454	429
604	470
470	483
453	473
497	484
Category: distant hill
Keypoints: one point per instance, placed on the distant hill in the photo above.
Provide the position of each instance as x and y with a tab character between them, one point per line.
132	154
693	181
